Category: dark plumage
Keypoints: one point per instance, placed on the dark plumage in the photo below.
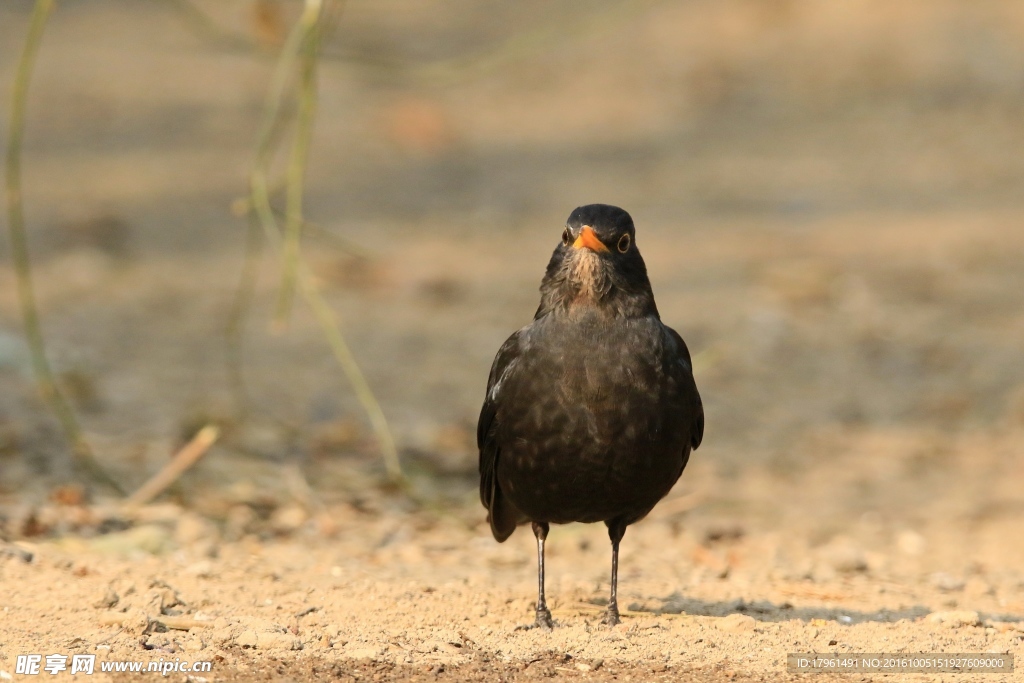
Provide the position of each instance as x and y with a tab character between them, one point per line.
591	410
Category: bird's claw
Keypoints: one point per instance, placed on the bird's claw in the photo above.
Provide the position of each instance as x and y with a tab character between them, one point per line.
611	617
543	622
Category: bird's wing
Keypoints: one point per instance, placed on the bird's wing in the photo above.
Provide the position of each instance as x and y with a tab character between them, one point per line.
504	365
697	406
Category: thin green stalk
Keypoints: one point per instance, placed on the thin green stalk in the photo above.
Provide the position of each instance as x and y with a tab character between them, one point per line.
255	207
446	71
304	38
520	46
199	21
234	333
328	320
331	327
295	174
274	120
84	458
273	116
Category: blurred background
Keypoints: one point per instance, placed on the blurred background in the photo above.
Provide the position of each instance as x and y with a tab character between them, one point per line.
828	196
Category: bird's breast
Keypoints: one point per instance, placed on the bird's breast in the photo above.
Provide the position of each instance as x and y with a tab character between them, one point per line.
589	416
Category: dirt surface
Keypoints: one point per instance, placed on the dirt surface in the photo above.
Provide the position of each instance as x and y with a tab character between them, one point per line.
828	199
388	593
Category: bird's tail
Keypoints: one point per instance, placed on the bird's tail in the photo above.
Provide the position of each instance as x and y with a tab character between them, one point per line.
503	516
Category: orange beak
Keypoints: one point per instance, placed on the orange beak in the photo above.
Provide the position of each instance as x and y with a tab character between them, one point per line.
588	238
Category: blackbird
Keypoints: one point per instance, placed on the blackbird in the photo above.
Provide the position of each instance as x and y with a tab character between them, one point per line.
591	410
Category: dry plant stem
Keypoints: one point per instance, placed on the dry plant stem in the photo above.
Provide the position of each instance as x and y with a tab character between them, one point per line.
339	347
274	122
274	118
177	465
295	174
234	333
259	203
329	323
521	46
19	254
338	241
208	28
244	205
444	71
244	294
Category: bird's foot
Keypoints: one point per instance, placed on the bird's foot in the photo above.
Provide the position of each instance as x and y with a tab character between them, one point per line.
611	617
543	621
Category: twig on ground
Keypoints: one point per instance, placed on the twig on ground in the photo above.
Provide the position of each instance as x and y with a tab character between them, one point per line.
178	623
182	623
112	635
175	467
48	388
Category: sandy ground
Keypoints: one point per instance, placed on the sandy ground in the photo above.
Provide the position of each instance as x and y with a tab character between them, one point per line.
385	592
829	204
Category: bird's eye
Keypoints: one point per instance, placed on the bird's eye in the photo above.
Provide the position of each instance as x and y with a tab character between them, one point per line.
566	237
624	243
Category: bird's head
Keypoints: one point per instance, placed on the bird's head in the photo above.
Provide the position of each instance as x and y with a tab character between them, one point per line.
598	263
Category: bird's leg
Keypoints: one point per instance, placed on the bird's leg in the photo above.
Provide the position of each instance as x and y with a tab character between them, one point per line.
616	531
540	530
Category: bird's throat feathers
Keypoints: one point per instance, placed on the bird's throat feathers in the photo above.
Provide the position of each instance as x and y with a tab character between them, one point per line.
588	275
582	280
